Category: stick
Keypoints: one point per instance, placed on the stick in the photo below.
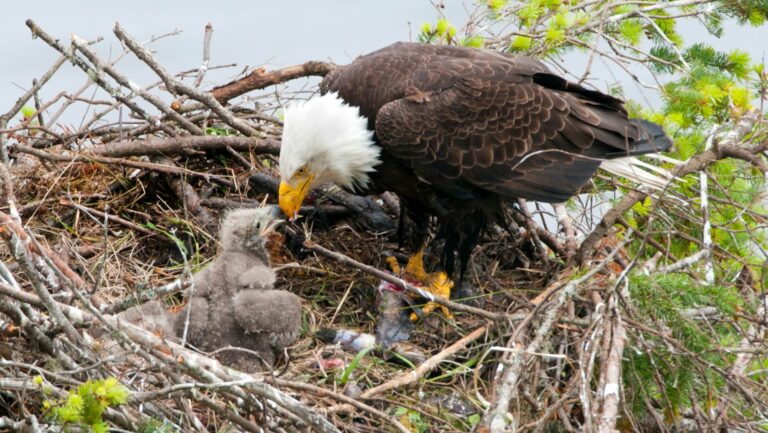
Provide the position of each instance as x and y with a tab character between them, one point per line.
407	378
259	79
125	82
706	238
113	218
38	84
203	69
174	85
609	385
94	75
312	246
495	418
171	352
537	231
146	296
570	232
342	398
179	145
187	195
726	147
88	158
684	263
16	238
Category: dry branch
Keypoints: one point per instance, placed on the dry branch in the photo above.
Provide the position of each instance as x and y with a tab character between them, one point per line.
259	79
86	158
125	82
609	385
113	218
410	288
727	146
18	241
342	398
495	418
5	118
426	367
565	333
191	360
182	145
177	86
97	78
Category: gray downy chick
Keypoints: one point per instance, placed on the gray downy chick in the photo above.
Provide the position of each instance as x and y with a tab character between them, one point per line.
233	303
153	317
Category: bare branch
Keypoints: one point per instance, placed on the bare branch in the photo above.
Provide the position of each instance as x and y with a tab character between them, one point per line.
259	79
177	86
182	145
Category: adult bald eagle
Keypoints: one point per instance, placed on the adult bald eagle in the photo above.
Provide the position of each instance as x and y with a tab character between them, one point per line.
454	132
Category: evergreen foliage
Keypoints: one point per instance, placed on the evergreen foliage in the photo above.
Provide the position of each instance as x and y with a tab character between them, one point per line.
677	348
704	91
85	406
663	373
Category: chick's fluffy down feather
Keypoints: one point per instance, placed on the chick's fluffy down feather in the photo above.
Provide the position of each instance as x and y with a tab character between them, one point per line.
232	305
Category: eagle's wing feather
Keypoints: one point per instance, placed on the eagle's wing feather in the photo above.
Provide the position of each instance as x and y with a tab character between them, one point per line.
514	139
466	119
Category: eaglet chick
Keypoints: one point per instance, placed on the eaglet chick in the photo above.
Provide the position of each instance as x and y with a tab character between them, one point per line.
233	303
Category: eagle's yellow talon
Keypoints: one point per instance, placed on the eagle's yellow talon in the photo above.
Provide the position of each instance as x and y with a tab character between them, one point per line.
440	286
393	265
437	283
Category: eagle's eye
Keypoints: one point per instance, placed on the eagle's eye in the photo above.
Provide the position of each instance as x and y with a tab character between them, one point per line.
302	172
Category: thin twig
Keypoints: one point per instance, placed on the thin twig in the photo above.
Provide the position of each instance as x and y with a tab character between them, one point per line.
314	247
342	398
409	377
174	85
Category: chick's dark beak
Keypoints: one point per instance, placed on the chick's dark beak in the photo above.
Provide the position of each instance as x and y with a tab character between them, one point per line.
275	213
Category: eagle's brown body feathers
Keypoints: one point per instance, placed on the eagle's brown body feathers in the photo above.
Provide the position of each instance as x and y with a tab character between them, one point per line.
470	116
463	130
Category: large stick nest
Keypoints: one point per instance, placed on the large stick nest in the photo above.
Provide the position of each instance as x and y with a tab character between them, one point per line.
124	208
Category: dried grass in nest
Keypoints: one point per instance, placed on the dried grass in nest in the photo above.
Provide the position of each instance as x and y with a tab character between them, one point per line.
323	284
123	263
550	349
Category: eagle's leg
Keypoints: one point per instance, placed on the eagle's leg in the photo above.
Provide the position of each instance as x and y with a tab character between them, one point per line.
415	267
413	234
393	265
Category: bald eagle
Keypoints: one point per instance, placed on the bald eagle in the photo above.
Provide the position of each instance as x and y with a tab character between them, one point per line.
454	132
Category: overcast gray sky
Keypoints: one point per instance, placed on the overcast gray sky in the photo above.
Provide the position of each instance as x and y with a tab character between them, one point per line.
275	33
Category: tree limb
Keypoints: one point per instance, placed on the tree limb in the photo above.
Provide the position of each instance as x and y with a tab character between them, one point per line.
259	79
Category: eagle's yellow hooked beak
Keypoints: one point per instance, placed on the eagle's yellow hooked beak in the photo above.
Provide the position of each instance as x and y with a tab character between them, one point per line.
291	197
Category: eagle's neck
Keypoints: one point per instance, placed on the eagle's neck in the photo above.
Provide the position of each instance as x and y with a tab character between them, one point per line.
332	139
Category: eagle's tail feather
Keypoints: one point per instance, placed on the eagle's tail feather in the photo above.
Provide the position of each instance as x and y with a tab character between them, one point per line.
652	139
639	172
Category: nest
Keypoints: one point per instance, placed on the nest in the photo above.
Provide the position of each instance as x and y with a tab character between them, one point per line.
119	212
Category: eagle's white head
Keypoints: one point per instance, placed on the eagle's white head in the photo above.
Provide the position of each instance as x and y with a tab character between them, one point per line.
324	141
